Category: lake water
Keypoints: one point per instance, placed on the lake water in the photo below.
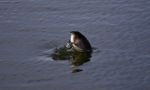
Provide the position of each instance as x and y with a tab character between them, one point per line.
31	29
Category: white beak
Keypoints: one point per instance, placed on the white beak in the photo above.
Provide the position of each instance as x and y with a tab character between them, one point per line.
72	38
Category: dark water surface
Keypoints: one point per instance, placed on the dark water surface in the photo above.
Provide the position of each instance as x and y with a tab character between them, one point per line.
31	29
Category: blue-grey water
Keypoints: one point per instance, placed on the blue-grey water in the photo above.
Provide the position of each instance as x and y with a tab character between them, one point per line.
118	29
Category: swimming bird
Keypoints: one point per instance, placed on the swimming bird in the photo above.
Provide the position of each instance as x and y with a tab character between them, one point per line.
79	42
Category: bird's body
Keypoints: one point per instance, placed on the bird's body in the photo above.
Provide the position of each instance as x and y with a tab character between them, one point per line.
79	42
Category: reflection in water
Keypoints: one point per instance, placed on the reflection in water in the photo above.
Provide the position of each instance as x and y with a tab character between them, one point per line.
75	58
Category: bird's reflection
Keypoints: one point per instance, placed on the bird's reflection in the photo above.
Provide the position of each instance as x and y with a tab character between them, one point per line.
75	58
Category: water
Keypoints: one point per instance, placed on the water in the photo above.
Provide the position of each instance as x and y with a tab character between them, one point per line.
31	29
